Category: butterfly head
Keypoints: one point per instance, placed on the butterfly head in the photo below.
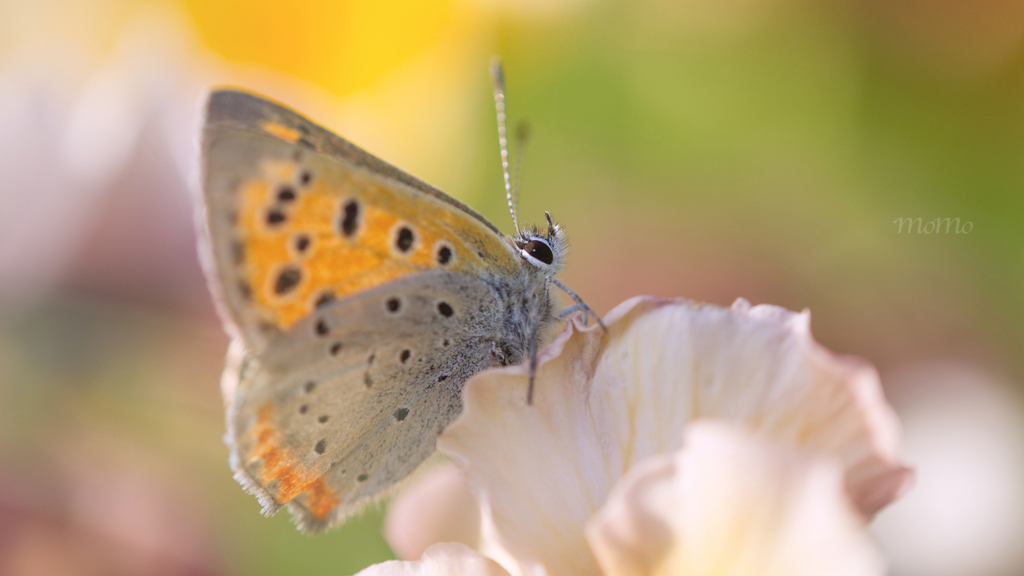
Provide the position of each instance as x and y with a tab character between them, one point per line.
544	251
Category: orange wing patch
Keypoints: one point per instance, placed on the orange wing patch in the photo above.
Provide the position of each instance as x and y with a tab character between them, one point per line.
318	231
293	478
281	131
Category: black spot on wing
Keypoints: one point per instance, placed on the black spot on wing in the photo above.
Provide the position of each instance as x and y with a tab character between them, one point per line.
287	280
286	194
404	239
325	298
322	329
275	217
349	217
444	255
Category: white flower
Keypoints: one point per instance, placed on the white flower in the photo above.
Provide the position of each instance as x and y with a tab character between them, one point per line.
441	560
728	503
805	443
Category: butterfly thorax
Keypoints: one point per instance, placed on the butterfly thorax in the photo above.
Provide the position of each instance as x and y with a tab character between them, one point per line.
530	308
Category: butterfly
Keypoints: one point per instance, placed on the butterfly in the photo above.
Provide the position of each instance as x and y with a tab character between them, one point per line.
360	300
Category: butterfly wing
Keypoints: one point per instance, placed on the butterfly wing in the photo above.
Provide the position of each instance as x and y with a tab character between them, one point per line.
296	216
352	398
362	297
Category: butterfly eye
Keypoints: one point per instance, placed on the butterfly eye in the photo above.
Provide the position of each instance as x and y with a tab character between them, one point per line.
539	250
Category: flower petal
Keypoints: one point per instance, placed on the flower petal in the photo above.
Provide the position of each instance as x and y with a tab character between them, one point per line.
439	507
440	559
728	503
605	401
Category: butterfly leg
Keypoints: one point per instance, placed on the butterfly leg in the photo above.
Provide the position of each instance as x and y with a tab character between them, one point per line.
579	301
570	310
534	335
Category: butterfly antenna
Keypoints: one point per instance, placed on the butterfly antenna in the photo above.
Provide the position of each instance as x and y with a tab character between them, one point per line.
498	79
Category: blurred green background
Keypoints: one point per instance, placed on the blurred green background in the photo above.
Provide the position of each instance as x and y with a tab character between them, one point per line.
713	150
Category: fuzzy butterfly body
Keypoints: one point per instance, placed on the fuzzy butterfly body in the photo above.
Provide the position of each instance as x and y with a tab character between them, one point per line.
361	300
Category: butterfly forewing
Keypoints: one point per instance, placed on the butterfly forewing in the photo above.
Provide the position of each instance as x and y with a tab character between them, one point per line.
298	217
354	396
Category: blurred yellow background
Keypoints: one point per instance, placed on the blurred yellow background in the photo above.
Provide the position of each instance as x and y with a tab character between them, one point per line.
713	150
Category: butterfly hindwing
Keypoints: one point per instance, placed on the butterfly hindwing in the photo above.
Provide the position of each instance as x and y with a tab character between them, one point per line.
313	424
297	217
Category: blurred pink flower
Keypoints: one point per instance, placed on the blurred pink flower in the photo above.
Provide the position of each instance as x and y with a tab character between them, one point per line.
595	477
965	434
96	155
